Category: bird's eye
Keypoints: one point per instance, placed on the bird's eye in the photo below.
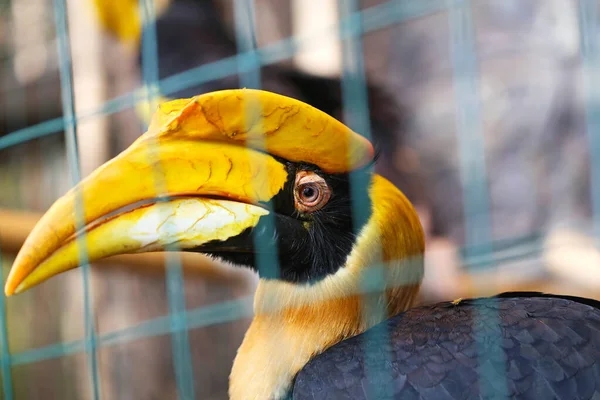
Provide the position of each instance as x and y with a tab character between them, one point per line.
311	192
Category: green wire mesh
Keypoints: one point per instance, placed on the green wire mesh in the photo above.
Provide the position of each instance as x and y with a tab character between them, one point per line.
354	24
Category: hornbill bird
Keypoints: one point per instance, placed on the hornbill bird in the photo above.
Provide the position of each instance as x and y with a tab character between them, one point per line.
231	161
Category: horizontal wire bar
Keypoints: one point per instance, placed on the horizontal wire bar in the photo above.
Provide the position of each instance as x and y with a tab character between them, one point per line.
227	311
42	129
197	318
374	18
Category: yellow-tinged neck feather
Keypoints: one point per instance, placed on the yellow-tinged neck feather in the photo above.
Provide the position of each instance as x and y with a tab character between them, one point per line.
293	322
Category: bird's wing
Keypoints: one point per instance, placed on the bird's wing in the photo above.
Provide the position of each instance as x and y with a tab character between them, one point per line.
529	346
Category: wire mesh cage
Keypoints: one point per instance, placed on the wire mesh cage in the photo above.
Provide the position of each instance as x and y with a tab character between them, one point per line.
485	113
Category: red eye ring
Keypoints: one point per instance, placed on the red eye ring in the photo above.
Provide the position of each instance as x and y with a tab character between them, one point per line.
311	192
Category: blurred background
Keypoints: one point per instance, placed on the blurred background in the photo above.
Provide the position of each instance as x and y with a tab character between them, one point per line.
486	113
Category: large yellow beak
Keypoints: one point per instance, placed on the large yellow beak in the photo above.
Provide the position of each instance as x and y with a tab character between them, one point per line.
217	158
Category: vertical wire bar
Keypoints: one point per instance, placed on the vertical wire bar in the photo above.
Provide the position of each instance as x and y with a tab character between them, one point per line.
355	99
7	387
249	73
590	52
182	360
356	117
469	125
68	106
245	35
475	197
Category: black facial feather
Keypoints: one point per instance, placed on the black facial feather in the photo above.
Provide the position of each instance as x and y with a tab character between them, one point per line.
310	246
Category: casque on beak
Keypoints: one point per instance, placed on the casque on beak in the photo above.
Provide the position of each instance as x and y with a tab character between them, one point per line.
199	175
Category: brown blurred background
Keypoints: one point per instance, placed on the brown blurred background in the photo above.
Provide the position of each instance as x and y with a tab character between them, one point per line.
530	84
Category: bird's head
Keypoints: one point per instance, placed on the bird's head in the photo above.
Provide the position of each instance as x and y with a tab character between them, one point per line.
246	176
231	173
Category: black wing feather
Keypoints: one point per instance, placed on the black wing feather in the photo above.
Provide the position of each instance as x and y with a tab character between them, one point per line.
517	345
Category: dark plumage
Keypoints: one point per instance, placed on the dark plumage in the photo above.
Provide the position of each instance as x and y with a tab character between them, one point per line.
548	347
